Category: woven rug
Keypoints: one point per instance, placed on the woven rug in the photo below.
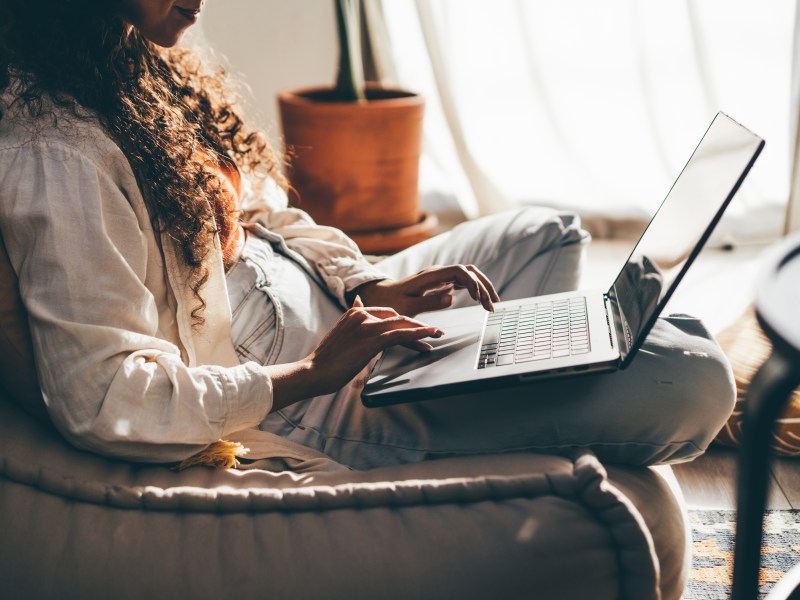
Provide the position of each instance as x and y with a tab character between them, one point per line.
713	533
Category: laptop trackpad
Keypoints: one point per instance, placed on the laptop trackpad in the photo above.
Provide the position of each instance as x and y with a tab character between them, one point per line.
453	355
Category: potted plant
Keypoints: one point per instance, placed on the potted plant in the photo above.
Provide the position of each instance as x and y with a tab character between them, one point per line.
354	150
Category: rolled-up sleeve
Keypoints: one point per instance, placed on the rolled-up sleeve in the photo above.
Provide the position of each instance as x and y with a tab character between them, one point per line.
112	382
336	258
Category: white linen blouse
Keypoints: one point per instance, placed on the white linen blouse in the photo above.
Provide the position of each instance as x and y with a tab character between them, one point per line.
123	371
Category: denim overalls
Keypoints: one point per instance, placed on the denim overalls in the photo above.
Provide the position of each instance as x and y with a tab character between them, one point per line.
280	309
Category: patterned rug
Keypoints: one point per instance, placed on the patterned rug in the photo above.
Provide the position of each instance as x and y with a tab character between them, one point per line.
713	533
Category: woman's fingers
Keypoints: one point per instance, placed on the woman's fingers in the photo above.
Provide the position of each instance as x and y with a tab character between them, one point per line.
388	328
486	282
410	338
406	325
381	312
357	337
428	303
445	288
413	307
383	318
434	278
468	277
429	290
391	327
473	284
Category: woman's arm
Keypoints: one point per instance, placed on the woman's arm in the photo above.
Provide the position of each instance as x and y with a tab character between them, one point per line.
100	320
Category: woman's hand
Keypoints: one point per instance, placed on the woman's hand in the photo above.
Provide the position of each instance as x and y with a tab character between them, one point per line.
430	289
356	338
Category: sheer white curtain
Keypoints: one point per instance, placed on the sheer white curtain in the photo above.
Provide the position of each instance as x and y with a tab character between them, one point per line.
592	105
793	212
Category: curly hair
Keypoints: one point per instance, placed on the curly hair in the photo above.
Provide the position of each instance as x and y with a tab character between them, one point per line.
162	107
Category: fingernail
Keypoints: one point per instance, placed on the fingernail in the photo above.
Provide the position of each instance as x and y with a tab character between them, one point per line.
446	300
427	347
438	333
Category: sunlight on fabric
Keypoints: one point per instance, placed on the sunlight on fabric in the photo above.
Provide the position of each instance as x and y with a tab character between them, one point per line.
594	106
122	428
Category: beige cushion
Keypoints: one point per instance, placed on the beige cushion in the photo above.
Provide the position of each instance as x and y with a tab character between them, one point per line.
747	348
79	526
17	368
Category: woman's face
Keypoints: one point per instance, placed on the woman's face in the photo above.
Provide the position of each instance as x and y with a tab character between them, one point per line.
163	22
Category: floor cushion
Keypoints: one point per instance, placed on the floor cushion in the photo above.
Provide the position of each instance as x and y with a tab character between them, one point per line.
76	525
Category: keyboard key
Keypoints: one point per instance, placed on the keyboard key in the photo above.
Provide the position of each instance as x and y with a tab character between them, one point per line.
492	336
532	358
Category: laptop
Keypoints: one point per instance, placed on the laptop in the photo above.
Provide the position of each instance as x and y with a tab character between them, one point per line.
567	334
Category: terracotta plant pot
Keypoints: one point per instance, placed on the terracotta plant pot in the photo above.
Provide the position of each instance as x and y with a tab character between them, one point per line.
355	165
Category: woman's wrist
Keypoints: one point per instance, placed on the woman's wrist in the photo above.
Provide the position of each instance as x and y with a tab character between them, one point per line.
361	290
292	382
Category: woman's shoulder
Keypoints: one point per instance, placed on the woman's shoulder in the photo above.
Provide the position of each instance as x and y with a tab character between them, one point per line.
55	132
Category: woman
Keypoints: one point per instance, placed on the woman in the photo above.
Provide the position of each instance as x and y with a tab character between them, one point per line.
174	298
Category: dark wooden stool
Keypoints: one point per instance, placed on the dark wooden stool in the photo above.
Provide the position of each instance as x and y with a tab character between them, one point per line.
778	312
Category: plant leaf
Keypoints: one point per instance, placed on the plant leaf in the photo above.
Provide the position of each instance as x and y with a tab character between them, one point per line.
350	80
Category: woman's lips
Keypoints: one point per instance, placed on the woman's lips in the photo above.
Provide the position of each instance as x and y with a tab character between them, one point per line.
189	14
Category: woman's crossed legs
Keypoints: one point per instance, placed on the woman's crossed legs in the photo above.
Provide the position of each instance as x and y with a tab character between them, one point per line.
666	407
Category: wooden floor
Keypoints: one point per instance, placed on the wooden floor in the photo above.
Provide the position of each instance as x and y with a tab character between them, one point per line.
719	286
710	481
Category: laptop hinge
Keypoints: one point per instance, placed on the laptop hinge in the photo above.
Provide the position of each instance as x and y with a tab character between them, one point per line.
609	323
619	330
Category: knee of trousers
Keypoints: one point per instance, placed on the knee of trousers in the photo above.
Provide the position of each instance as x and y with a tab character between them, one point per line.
692	382
547	227
548	245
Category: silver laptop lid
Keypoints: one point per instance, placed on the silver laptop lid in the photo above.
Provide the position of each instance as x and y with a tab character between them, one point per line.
680	228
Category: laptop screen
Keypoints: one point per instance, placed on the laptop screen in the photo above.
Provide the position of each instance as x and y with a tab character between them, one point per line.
680	227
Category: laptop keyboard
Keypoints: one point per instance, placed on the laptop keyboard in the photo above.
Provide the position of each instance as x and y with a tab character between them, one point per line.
535	332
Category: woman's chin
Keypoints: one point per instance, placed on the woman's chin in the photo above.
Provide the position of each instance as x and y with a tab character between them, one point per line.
166	37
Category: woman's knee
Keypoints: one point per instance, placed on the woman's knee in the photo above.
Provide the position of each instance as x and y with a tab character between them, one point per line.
501	245
692	383
544	228
541	251
540	229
